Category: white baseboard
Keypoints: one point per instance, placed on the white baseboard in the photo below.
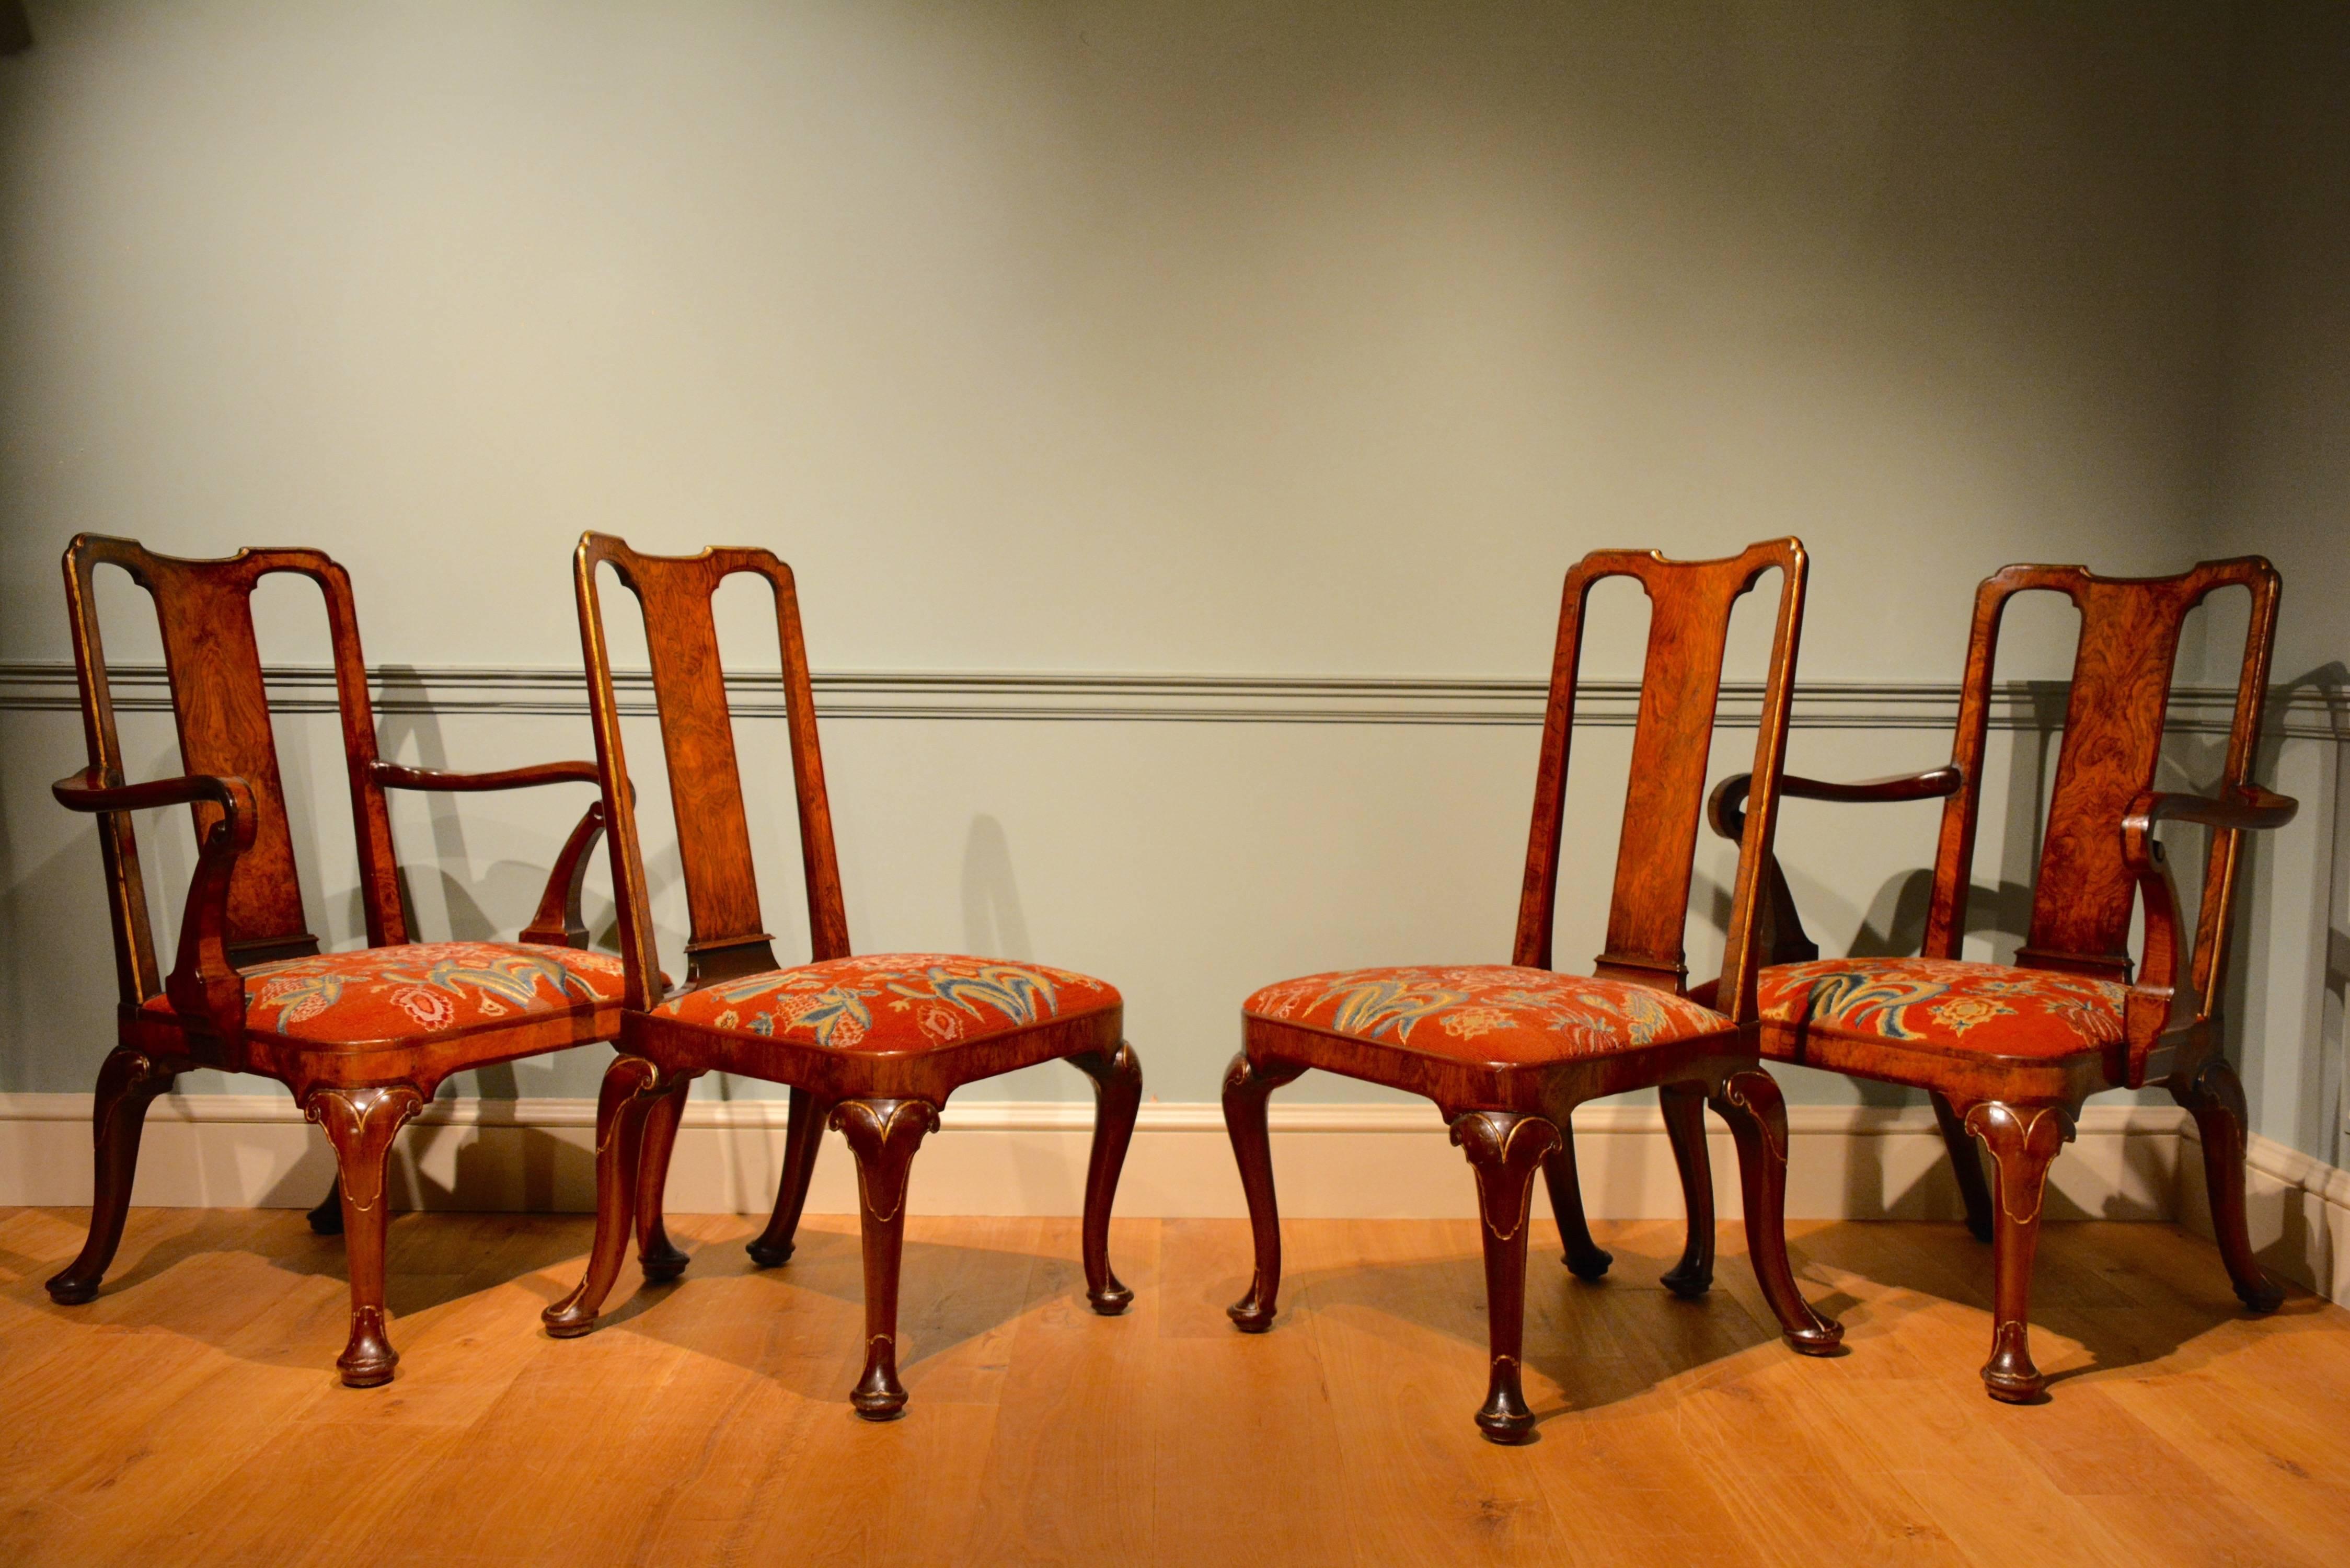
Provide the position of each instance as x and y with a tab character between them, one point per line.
2298	1208
1379	1161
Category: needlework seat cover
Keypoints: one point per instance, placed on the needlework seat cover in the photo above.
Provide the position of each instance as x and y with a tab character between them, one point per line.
1486	1013
420	989
1948	1003
889	1004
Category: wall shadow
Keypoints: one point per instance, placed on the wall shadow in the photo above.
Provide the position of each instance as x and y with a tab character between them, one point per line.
994	923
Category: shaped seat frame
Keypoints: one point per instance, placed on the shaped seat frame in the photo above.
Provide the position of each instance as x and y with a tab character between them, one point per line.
244	907
2098	857
1512	1118
882	1103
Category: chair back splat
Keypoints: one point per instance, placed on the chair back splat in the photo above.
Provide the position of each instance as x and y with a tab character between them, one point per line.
222	706
1689	627
2130	628
674	593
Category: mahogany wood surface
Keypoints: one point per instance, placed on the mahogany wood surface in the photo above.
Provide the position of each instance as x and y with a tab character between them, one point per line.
180	1419
1512	1119
244	905
2098	859
882	1101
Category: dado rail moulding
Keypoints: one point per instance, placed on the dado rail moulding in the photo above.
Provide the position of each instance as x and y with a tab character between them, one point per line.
2300	711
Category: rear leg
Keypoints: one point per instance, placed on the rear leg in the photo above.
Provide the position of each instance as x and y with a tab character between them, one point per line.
127	1084
1247	1086
803	1137
1966	1163
1684	1108
1586	1258
1117	1097
326	1218
2217	1100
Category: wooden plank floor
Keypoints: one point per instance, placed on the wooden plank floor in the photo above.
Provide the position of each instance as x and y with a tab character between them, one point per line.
189	1415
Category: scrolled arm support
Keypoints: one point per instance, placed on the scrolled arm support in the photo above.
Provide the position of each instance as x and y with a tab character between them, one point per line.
558	922
203	986
2157	1001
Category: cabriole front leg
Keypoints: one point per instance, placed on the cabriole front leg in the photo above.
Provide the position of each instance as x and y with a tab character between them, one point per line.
1118	1100
127	1084
1504	1150
631	1083
360	1123
1751	1103
1247	1086
883	1134
2217	1099
2023	1140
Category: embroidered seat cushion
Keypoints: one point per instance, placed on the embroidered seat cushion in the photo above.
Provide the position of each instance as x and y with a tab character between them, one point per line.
889	1003
1486	1013
1948	1003
421	988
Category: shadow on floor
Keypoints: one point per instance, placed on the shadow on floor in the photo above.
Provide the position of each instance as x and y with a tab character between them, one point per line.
2135	1294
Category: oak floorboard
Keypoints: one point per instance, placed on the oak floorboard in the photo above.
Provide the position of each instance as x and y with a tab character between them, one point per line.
1070	1477
1397	1311
192	1413
1245	1433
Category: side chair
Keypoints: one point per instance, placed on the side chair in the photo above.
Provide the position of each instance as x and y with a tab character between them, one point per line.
361	1038
2008	1051
870	1045
1507	1052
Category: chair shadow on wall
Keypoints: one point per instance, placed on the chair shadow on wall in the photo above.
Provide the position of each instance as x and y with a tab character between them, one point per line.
996	925
2327	689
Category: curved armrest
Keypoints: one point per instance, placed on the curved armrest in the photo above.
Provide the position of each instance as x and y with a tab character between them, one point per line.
1726	808
392	775
203	986
89	791
2244	806
1934	783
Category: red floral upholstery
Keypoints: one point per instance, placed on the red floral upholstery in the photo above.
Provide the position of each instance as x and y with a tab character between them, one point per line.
419	989
887	1003
1489	1012
1948	1003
